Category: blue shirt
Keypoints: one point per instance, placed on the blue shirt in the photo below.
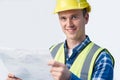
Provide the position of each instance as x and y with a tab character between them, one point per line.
103	69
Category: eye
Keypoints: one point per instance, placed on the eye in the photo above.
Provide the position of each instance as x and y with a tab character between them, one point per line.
75	17
62	18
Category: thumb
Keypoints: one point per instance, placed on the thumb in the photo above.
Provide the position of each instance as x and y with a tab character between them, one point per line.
11	75
55	63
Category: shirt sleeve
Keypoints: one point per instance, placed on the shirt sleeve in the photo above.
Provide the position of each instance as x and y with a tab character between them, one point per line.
103	69
74	77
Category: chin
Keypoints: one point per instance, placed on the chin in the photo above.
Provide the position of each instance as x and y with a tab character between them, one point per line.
71	37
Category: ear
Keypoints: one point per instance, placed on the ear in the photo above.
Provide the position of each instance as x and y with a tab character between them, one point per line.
86	18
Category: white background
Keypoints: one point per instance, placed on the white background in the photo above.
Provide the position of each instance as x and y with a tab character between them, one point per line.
31	24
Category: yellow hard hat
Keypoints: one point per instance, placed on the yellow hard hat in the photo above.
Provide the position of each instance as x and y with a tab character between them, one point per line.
63	5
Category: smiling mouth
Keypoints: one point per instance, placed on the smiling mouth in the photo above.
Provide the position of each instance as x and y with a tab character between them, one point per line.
70	30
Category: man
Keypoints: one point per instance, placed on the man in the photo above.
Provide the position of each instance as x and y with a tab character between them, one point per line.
78	58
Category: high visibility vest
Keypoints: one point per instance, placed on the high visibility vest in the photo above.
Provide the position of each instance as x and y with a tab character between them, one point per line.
82	67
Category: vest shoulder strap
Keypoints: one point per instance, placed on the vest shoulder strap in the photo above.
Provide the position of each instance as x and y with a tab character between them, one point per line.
87	63
55	49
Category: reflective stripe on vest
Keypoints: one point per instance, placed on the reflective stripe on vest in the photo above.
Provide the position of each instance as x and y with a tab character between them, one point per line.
54	51
84	63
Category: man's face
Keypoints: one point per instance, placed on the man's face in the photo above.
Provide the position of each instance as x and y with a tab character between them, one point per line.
73	23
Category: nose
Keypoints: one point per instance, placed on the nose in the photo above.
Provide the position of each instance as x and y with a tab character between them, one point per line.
69	23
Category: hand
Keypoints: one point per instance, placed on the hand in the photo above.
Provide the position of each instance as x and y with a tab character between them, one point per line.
59	70
12	77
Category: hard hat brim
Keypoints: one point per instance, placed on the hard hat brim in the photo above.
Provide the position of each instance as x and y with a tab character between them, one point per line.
57	11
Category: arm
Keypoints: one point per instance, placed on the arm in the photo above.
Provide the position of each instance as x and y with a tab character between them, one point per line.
103	69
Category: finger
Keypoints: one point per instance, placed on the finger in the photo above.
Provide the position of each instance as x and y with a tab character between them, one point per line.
11	75
50	63
55	63
55	75
13	79
56	69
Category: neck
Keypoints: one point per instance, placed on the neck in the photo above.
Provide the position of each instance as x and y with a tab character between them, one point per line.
73	43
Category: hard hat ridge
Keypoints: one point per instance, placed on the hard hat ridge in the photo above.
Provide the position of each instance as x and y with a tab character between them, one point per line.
62	5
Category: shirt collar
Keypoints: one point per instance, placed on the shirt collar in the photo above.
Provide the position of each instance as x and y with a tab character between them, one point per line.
79	47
